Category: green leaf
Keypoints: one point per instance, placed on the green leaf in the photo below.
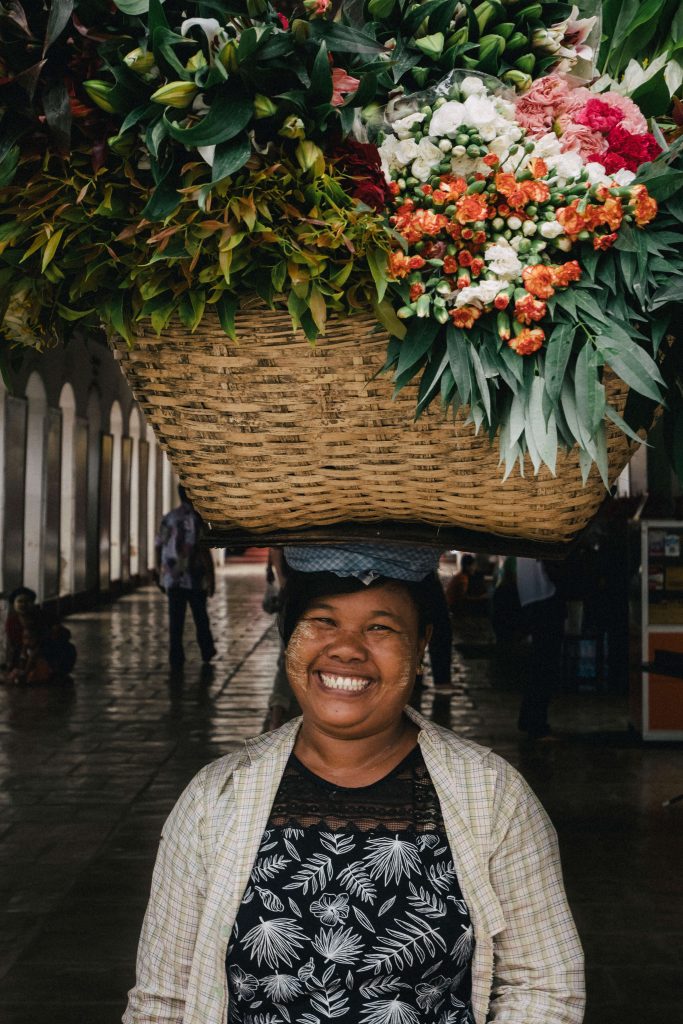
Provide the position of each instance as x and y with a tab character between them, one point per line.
632	363
230	156
385	313
377	261
51	248
226	307
481	380
590	392
321	77
342	39
417	342
557	355
58	18
230	113
429	382
544	434
613	415
458	358
132	7
164	200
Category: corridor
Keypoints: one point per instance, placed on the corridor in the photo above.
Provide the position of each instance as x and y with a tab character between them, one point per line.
88	775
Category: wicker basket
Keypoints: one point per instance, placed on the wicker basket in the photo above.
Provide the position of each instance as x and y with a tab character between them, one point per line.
272	433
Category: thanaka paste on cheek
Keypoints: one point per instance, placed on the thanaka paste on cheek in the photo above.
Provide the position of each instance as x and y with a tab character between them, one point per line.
297	670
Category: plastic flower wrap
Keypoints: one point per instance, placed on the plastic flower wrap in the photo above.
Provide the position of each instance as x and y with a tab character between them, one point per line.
505	211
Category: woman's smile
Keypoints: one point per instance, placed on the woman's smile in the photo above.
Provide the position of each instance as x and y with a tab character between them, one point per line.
343	684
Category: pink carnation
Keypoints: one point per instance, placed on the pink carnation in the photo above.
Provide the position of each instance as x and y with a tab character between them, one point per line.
579	138
632	119
547	98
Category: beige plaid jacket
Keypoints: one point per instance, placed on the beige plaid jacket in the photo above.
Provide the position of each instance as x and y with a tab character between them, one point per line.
528	964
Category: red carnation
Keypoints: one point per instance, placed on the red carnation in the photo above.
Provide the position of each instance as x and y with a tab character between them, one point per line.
627	150
600	116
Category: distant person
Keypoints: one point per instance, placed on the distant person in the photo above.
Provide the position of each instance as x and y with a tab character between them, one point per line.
466	592
22	605
31	664
543	616
184	570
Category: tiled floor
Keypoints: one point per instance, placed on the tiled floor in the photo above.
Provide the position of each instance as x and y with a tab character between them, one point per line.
88	775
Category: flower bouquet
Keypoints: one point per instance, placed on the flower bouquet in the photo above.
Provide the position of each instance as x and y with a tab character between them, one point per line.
444	170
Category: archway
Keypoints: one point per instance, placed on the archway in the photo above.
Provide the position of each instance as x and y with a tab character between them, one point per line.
152	512
67	403
116	431
94	513
34	484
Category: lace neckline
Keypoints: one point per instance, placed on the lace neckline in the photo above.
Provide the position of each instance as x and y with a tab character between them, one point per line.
410	758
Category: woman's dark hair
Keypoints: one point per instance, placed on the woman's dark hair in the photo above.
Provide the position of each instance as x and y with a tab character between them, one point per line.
303	588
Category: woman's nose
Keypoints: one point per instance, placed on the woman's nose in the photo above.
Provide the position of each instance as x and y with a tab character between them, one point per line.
347	645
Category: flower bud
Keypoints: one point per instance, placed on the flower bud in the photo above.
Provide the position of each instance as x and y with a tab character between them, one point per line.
310	157
516	42
533	10
175	94
491	46
101	94
483	13
196	62
514	223
521	81
228	56
459	38
529	228
431	46
139	60
503	324
122	145
405	312
526	63
292	128
263	106
300	29
422	306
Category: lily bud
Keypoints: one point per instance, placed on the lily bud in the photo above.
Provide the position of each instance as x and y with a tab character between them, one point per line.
101	93
122	145
516	41
139	60
505	29
292	128
420	75
491	46
483	13
530	12
310	157
422	306
431	46
300	29
196	61
175	94
228	56
526	63
263	106
381	8
520	81
459	37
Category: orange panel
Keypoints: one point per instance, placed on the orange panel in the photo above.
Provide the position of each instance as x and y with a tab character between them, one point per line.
666	692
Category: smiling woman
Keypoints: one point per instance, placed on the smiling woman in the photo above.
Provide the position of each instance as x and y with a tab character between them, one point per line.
360	863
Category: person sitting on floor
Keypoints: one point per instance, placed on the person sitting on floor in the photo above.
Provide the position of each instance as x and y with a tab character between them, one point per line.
22	603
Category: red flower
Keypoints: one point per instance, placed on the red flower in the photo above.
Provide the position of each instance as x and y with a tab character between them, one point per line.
539	281
600	116
416	290
627	150
501	301
603	242
465	258
370	193
361	161
477	266
283	20
567	272
465	316
450	265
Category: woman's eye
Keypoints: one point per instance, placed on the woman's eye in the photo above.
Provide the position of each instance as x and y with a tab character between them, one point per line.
380	627
322	620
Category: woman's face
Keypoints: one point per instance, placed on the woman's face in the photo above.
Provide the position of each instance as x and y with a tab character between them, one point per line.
352	660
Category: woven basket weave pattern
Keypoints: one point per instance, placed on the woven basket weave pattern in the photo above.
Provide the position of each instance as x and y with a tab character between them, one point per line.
270	432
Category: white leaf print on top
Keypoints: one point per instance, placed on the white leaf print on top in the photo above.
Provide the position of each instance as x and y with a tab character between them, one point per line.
315	873
391	858
401	945
330	1001
281	988
463	947
389	1011
337	843
382	986
442	875
266	867
274	941
330	908
355	878
427	903
342	946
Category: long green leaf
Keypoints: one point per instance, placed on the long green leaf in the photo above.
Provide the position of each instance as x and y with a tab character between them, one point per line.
417	342
58	18
633	364
556	358
230	156
458	359
230	114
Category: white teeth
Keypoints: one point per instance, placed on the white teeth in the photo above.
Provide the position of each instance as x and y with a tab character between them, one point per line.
344	682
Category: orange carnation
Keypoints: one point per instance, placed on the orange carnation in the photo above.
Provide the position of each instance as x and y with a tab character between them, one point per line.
401	265
603	242
571	220
566	273
539	281
538	167
450	265
416	290
528	341
613	212
529	310
645	208
465	316
536	191
471	209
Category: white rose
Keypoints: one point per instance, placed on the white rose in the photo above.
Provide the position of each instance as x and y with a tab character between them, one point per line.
427	157
471	85
481	294
503	261
479	110
447	119
403	127
396	154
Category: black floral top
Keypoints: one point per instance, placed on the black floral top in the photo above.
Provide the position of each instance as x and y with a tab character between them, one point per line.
353	912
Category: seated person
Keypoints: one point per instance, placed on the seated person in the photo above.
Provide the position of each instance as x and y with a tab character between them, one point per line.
31	663
22	603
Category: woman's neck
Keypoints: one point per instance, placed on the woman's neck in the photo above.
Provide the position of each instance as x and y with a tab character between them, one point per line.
355	761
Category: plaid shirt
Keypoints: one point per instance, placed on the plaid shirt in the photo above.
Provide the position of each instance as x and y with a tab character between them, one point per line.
528	963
